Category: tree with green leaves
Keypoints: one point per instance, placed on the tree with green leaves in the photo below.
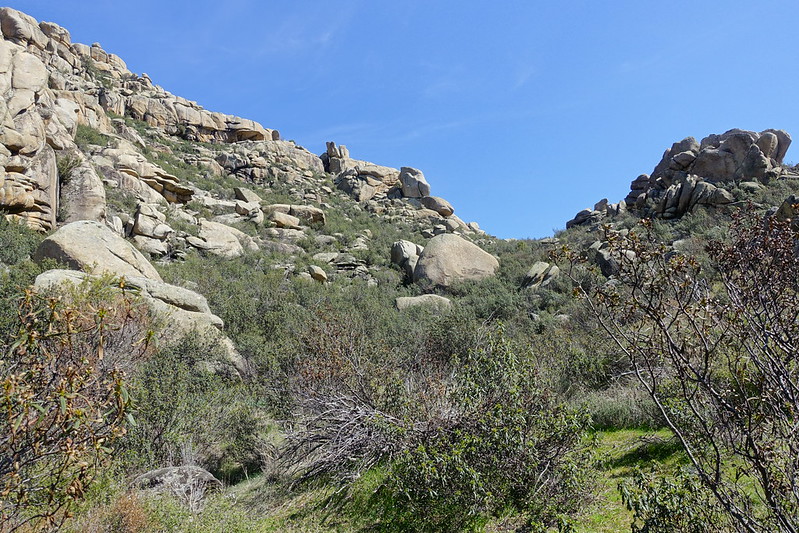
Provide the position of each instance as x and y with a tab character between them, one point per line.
64	401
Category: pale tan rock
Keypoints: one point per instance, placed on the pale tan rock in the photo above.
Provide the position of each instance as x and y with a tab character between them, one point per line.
28	72
540	274
414	184
246	195
448	258
7	51
317	273
127	160
150	222
282	220
185	312
91	246
42	172
403	250
82	194
56	33
222	240
308	213
248	209
21	100
437	304
16	192
439	205
152	247
286	234
21	28
32	128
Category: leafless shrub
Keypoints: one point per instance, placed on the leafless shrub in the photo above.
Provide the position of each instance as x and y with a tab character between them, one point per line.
718	354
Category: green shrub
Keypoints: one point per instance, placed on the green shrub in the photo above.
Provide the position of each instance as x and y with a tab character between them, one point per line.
120	201
98	75
624	406
17	241
510	446
66	164
187	414
86	135
663	503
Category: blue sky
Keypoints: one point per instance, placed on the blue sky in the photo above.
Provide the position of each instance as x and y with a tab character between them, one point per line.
520	113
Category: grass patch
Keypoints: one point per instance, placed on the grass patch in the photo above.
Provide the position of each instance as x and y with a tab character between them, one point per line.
86	135
619	454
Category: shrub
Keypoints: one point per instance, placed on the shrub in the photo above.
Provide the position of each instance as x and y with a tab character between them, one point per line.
623	406
505	444
64	398
66	164
187	414
461	439
86	135
717	352
663	503
17	241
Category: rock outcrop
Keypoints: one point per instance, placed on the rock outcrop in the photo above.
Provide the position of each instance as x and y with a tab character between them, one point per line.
220	239
132	172
183	311
405	255
439	205
693	173
337	160
448	259
733	155
82	191
92	247
540	274
52	86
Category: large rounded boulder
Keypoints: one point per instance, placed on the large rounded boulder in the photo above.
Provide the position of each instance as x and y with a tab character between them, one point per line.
448	258
90	246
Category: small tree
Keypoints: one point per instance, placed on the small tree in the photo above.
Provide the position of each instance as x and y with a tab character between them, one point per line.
63	399
717	352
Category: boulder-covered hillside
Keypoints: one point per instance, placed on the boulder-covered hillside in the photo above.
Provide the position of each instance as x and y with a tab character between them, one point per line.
206	327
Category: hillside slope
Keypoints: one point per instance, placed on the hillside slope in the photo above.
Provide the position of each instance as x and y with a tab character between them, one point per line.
320	343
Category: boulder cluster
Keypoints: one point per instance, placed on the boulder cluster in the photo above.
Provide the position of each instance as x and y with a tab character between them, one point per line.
395	193
128	173
52	87
447	259
49	86
93	251
697	173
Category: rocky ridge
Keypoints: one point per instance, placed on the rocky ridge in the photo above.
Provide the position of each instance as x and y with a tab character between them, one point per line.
105	156
698	173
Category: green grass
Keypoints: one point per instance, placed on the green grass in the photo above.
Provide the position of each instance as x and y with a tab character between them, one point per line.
260	505
86	135
620	453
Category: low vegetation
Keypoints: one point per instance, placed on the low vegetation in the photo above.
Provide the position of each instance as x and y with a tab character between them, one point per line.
659	395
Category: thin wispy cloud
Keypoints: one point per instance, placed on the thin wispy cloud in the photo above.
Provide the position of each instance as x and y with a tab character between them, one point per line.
524	73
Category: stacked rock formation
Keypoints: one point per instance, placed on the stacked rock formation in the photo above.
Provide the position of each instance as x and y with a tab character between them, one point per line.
50	85
693	173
